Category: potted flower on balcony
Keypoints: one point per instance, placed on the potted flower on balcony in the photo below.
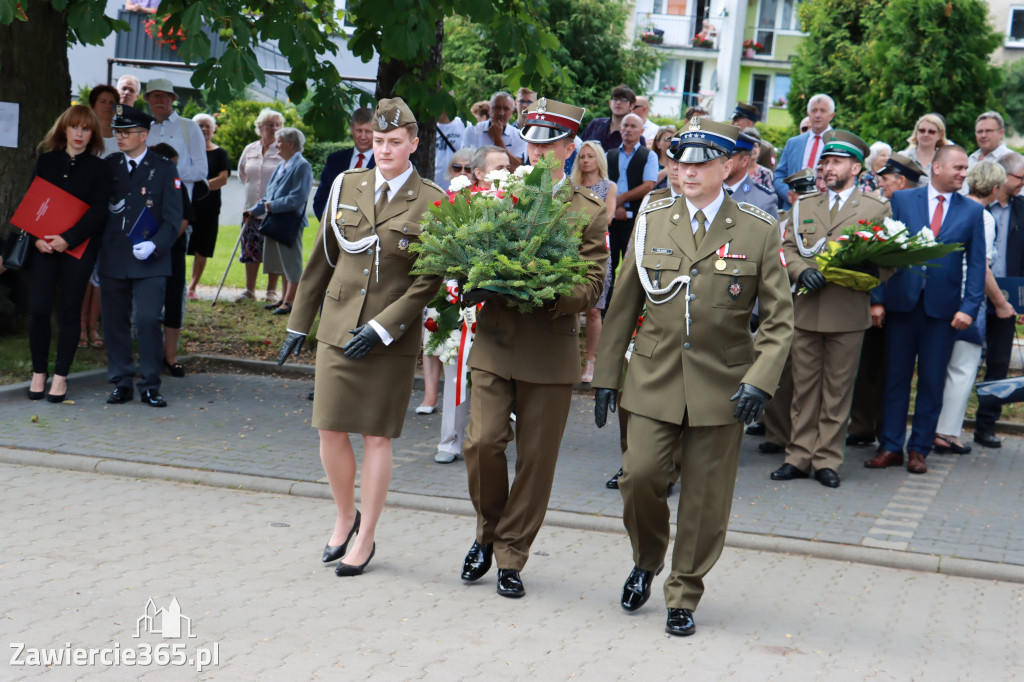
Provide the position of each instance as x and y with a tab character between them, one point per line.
155	31
780	103
653	36
752	47
700	41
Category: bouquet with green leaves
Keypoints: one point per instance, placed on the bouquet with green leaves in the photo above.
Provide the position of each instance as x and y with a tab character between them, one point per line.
519	239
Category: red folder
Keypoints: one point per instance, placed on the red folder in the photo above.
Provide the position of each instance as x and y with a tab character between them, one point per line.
47	209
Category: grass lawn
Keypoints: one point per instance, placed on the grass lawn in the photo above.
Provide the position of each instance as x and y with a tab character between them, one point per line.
227	235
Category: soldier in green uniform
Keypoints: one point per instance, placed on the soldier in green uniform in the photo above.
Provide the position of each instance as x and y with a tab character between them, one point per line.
696	373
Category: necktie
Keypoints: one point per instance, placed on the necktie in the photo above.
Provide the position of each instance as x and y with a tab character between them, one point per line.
359	163
937	216
378	208
132	165
834	211
702	229
814	152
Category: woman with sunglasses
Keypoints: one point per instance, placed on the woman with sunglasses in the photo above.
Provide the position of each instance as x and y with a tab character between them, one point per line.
929	134
662	141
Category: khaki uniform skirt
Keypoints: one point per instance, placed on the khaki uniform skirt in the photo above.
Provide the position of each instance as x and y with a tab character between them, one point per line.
369	396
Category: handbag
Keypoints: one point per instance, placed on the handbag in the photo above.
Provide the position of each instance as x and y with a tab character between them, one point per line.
16	254
282	227
1002	391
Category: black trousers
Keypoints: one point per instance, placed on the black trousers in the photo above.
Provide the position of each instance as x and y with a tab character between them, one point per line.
174	296
999	341
619	234
61	279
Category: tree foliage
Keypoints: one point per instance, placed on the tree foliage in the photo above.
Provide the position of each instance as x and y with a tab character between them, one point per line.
1010	94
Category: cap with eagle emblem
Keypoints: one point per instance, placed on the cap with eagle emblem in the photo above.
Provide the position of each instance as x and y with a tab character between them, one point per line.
548	120
392	113
704	140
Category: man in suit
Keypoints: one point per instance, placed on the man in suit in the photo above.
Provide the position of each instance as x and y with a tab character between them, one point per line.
359	156
136	270
368	338
830	319
921	314
741	186
696	373
634	169
529	360
804	150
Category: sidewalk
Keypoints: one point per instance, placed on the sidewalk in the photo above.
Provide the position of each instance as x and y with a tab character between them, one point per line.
83	553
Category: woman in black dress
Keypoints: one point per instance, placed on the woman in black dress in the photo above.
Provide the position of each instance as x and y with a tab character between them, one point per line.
207	209
70	159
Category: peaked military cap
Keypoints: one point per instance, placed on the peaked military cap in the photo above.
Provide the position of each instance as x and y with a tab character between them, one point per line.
703	140
392	113
130	117
745	142
803	181
844	143
548	120
748	111
902	165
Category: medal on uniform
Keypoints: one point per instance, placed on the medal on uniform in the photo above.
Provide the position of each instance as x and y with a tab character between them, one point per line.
735	289
719	264
403	244
142	191
722	252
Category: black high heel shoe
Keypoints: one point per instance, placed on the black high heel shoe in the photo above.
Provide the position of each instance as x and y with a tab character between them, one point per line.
344	570
337	551
38	395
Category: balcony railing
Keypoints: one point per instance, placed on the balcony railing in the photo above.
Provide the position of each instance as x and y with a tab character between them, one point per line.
677	30
137	43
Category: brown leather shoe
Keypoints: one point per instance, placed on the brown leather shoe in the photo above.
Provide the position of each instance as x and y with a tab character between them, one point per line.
915	463
885	458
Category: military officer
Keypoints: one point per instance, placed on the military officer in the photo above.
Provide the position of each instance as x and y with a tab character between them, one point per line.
745	115
830	320
368	337
134	265
531	359
696	373
739	183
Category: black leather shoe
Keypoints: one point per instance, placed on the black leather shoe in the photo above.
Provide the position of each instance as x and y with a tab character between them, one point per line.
121	395
477	562
510	584
987	439
680	623
637	589
787	472
333	553
310	396
38	395
755	429
283	309
344	570
175	370
153	398
854	440
827	477
770	448
613	482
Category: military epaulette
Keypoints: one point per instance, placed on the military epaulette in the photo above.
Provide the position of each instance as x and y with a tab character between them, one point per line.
881	200
808	195
356	171
431	183
757	212
588	193
660	203
764	189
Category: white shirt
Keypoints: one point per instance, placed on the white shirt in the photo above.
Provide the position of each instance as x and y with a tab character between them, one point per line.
138	159
842	196
710	211
650	130
810	145
933	201
394	185
367	155
476	136
187	139
453	130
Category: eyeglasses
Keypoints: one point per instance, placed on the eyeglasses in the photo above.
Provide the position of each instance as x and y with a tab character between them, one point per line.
525	102
620	100
1014	175
126	133
804	129
925	131
461	169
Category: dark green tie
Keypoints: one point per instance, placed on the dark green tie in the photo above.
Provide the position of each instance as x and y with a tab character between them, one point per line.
378	208
702	227
834	212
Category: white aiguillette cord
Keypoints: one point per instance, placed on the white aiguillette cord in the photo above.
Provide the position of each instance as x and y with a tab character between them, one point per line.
674	287
348	246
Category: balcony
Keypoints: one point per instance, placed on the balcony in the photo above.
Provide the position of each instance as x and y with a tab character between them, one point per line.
677	30
142	40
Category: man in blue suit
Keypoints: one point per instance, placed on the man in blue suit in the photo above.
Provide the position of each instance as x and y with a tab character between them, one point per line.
359	156
923	314
804	150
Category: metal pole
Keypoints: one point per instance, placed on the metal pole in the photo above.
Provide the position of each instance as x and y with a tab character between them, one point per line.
230	261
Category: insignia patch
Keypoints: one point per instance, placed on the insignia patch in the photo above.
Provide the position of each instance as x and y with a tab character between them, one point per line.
782	257
403	244
665	251
607	241
177	183
756	212
735	289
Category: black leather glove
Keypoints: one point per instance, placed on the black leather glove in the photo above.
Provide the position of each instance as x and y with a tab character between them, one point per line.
474	296
751	403
291	346
604	399
811	279
364	341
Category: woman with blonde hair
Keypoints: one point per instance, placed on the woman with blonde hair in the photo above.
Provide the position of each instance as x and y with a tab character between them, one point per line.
255	166
591	171
928	136
662	141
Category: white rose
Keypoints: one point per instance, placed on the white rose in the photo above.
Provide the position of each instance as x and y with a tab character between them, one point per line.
893	227
498	176
459	183
523	171
926	236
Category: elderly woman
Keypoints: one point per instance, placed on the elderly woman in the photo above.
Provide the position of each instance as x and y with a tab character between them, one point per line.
255	166
461	163
487	159
287	194
662	141
984	179
929	134
207	209
869	181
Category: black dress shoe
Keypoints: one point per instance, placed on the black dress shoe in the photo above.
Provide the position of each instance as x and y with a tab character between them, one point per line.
510	584
770	448
51	398
283	309
755	429
637	589
987	439
121	394
38	395
943	445
477	562
613	482
153	398
854	440
827	477
787	472
175	370
271	306
680	623
335	552
344	570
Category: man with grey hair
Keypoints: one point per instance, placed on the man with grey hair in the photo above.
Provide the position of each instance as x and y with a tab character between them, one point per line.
804	150
181	133
988	131
497	131
129	88
1000	316
634	169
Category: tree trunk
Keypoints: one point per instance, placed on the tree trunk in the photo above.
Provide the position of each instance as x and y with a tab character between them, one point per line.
34	55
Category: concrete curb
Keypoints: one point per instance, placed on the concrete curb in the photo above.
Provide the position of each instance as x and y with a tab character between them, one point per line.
929	563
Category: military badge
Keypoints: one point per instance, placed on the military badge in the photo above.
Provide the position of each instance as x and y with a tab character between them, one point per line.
735	289
719	264
142	191
403	244
149	203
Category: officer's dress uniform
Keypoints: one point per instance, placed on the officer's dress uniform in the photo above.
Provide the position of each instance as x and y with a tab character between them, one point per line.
692	353
154	185
371	395
748	191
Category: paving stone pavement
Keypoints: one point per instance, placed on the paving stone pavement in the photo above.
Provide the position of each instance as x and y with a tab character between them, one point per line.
83	552
967	507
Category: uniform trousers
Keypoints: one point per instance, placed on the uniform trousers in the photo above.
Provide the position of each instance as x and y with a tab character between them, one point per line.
619	234
705	458
116	298
824	370
453	417
777	423
511	517
866	414
64	277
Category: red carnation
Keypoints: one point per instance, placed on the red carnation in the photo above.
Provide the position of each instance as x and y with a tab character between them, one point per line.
430	324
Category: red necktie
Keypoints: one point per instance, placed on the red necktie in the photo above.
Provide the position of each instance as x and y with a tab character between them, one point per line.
814	152
359	164
937	216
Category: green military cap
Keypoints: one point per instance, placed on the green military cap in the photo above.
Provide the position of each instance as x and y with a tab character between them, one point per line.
903	165
548	120
392	113
803	181
844	143
703	140
747	111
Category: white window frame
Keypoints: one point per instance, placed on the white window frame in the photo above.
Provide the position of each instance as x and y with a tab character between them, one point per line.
1010	40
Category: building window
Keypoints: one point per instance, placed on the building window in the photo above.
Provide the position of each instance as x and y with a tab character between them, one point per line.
668	80
759	90
780	90
774	16
1015	26
691	82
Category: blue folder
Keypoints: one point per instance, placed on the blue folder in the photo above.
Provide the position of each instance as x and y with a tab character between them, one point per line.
144	228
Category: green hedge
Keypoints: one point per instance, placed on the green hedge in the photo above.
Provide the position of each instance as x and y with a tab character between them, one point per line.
317	152
236	124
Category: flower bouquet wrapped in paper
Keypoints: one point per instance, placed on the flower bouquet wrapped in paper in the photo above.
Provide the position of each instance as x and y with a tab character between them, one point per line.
853	260
519	240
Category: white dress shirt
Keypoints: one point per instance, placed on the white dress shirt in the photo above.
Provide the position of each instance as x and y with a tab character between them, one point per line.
187	139
394	185
710	211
